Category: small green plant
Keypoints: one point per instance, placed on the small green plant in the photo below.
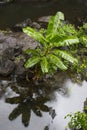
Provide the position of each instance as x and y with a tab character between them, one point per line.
51	53
78	121
82	34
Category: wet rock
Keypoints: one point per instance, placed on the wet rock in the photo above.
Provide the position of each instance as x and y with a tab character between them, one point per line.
10	62
6	67
44	19
11	53
12	45
14	40
18	27
20	69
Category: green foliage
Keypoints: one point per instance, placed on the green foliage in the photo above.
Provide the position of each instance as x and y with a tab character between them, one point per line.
82	34
85	106
77	121
51	54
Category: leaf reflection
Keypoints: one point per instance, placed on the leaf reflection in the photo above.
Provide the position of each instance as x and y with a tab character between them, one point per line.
27	104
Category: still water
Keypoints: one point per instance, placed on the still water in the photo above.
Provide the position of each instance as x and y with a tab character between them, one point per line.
68	98
17	12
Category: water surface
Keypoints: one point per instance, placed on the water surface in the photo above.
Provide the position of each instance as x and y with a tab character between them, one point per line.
68	98
16	12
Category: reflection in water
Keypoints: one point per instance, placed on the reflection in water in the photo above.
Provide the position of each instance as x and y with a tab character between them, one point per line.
40	107
29	99
65	105
25	106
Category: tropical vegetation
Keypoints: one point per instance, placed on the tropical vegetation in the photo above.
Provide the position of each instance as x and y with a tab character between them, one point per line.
58	45
78	121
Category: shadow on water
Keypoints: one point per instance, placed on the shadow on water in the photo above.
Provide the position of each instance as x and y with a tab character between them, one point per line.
17	12
40	106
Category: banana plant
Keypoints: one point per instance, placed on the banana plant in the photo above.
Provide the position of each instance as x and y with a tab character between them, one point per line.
51	55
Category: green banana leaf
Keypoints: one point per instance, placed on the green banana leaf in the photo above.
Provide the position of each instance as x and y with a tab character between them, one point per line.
56	61
65	55
54	24
35	35
32	61
44	65
66	41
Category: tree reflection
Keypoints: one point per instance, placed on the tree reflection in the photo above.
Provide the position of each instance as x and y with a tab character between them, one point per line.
28	100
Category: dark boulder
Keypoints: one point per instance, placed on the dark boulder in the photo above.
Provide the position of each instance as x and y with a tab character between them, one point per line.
6	67
18	27
12	47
